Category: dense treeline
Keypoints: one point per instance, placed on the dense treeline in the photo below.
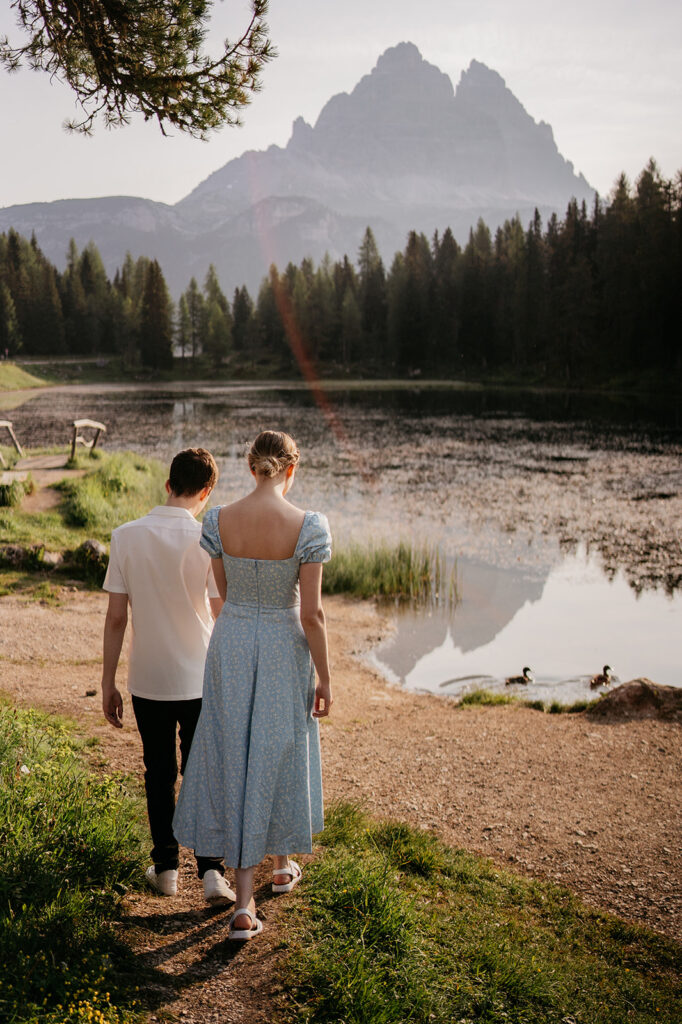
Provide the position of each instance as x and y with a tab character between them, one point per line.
593	295
82	312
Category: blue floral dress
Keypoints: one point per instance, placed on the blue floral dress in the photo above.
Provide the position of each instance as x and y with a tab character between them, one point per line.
253	782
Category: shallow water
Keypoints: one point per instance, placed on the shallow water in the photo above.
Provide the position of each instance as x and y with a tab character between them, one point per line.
565	628
387	464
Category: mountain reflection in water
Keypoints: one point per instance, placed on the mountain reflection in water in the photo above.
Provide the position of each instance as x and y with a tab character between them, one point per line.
566	628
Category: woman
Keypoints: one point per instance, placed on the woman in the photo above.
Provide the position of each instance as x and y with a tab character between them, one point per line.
253	782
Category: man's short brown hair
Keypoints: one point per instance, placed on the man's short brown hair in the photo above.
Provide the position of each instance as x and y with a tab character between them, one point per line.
191	470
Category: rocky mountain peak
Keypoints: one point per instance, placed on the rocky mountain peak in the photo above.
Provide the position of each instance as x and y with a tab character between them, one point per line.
402	150
397	87
483	90
479	75
399	58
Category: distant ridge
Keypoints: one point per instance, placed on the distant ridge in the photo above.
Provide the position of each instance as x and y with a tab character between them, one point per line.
403	150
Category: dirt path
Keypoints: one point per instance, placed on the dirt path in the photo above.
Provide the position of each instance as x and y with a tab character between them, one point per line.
46	471
595	807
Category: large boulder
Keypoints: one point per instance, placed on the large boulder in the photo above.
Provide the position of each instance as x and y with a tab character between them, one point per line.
639	698
89	561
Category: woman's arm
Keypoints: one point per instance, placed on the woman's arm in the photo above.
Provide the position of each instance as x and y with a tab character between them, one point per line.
315	629
220	578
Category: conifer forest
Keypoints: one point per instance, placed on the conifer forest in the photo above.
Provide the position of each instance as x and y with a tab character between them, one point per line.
588	297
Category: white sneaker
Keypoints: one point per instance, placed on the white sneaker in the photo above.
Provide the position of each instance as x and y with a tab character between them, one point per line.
216	889
166	882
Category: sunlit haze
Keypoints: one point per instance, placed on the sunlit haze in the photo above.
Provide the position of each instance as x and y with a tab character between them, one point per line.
606	77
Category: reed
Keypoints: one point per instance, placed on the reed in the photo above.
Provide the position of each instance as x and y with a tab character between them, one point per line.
402	572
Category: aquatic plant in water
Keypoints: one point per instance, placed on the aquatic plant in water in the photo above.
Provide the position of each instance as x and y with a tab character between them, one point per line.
402	572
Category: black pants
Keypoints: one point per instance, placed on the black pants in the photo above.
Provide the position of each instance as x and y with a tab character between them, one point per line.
157	722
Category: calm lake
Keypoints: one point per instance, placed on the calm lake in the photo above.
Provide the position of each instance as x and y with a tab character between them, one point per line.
445	466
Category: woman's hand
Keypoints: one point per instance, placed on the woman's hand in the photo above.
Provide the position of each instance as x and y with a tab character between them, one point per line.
323	699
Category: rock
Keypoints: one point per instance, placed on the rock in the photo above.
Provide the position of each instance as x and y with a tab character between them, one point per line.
12	554
639	698
53	559
90	560
19	557
93	548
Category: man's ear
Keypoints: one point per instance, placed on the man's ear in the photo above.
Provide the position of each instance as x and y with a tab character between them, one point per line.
168	487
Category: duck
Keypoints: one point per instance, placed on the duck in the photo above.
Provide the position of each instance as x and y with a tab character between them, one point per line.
527	677
602	678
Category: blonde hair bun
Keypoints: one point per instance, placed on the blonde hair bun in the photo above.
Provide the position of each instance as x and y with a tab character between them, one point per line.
272	452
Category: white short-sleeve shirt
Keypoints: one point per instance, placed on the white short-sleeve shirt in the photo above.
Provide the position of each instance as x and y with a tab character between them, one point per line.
158	563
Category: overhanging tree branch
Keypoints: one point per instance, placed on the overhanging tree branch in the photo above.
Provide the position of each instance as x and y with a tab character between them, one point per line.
142	56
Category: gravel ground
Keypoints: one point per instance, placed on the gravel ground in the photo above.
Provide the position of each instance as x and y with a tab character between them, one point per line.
596	807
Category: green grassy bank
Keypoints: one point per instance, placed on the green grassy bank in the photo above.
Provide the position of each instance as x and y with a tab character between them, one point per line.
484	698
388	926
392	926
117	487
14	378
68	838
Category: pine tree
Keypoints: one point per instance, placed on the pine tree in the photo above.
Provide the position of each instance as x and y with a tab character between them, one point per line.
242	320
270	330
123	57
10	333
156	323
217	321
183	327
446	301
195	322
372	297
351	329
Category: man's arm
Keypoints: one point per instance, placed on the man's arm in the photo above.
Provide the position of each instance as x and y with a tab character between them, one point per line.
114	631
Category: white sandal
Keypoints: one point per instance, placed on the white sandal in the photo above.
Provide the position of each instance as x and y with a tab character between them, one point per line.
244	933
291	869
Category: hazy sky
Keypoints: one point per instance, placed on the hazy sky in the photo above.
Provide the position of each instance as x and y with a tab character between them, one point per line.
606	74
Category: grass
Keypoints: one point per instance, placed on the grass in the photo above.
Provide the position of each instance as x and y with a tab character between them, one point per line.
393	926
481	698
13	378
123	487
67	839
401	572
11	494
116	488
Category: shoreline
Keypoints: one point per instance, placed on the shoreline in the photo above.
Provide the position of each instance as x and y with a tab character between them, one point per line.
593	806
650	387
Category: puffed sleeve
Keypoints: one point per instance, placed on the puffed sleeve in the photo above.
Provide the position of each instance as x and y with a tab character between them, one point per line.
210	537
316	543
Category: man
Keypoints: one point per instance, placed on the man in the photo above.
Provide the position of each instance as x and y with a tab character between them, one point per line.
158	568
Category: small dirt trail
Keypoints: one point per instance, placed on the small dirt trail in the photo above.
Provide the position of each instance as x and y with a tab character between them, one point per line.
593	806
46	471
